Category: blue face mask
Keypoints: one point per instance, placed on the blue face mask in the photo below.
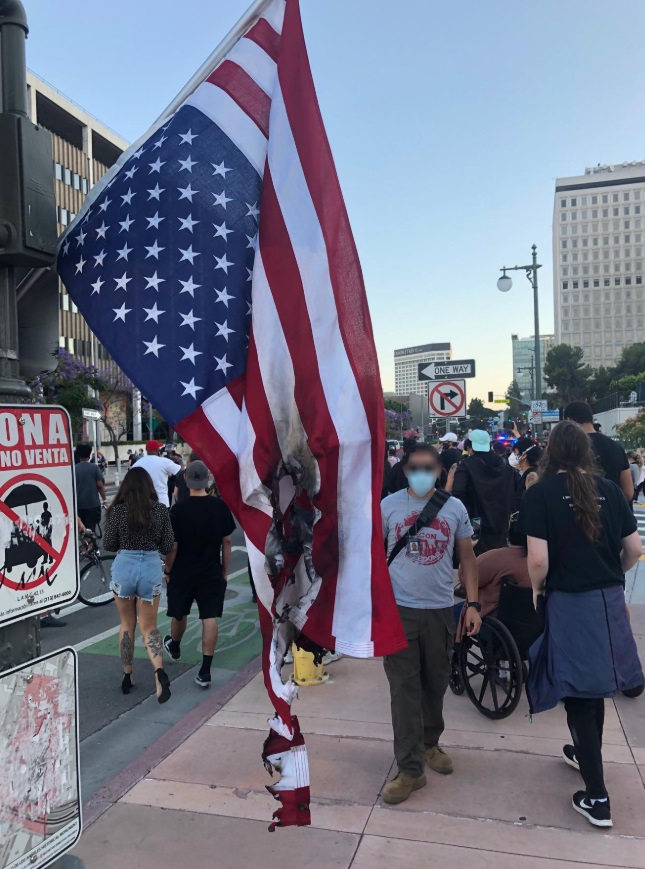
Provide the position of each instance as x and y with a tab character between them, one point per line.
421	482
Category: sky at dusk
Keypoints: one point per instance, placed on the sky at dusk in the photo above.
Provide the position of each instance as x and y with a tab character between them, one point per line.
449	124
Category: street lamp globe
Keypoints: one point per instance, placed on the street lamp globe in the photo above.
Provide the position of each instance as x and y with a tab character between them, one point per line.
504	284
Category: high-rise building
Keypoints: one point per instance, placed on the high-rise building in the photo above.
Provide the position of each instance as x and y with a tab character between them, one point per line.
524	362
83	150
598	260
406	366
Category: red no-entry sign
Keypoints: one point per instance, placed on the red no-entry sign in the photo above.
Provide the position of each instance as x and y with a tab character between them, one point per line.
447	398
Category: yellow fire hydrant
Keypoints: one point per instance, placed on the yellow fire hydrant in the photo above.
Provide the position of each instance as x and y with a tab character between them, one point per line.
304	670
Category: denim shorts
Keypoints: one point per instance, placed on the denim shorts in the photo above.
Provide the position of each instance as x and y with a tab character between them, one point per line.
137	573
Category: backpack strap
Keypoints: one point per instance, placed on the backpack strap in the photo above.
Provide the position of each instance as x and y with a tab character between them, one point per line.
424	519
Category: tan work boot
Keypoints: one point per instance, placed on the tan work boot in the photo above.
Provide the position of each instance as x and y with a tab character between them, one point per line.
400	788
438	760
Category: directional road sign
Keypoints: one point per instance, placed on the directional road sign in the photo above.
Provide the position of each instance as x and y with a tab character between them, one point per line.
446	370
91	413
447	398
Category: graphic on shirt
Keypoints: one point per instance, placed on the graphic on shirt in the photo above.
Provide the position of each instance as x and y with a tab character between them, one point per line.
433	540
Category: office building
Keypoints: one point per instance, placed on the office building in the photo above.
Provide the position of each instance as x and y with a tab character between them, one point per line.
598	260
83	150
524	362
406	366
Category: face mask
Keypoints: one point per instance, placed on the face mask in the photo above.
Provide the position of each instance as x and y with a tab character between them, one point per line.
514	460
421	482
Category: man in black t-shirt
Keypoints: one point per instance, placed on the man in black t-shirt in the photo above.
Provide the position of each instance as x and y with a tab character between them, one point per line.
198	569
611	456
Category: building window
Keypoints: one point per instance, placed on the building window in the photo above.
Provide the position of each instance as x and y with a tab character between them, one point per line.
585	285
575	285
594	200
605	198
565	285
77	181
68	176
584	215
637	209
563	203
62	216
84	185
72	215
594	241
605	282
626	196
616	282
596	283
625	224
564	257
637	195
616	212
574	202
563	216
58	171
574	215
614	197
639	279
594	213
626	211
628	282
563	245
65	302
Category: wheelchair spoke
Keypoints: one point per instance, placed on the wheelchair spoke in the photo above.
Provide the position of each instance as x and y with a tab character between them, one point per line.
483	688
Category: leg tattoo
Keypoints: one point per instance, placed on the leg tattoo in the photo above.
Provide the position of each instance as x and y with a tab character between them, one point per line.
155	643
127	650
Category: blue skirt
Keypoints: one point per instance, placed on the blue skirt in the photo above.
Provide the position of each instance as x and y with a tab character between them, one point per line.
587	649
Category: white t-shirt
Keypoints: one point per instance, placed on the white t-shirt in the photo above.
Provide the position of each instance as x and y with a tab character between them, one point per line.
159	469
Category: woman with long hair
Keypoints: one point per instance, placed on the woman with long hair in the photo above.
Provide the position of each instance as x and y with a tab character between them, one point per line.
138	526
582	538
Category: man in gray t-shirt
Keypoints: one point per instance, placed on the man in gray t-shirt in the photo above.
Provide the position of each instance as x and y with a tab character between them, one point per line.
422	579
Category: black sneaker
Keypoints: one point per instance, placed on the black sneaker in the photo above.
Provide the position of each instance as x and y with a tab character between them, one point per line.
203	680
569	755
172	647
596	812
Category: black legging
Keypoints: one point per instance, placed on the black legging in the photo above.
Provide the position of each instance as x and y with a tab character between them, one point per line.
586	718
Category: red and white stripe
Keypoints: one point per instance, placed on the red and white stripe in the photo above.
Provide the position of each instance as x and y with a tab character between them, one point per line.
312	385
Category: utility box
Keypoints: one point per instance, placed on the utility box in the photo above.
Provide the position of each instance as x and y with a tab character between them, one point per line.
28	227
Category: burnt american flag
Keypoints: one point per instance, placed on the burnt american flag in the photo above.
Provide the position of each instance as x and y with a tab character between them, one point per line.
216	263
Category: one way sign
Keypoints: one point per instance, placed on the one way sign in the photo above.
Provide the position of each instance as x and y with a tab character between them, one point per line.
446	370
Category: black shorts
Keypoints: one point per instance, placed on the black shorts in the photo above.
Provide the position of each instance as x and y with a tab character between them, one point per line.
209	597
90	517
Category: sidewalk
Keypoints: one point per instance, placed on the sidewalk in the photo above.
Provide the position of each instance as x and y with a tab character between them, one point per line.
506	806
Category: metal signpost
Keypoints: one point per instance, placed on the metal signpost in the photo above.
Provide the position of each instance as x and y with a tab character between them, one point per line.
460	368
91	413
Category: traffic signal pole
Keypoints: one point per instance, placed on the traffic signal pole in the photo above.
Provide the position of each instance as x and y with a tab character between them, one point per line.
25	240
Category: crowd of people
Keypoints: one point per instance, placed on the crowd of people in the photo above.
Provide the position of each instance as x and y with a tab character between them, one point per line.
461	517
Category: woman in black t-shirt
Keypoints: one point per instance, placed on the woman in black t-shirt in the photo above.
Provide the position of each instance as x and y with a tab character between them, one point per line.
582	538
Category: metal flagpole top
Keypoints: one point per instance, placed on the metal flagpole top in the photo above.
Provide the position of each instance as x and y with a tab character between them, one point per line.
237	31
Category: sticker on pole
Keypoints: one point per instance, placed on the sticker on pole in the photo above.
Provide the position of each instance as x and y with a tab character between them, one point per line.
38	531
40	798
447	398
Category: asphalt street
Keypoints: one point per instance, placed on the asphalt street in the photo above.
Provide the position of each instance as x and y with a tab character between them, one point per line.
114	728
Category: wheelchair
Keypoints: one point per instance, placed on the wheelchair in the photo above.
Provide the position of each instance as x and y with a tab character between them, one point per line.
491	668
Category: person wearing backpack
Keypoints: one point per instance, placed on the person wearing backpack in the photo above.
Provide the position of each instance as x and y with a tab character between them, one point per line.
423	527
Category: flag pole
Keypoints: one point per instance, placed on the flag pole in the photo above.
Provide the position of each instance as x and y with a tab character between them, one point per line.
237	31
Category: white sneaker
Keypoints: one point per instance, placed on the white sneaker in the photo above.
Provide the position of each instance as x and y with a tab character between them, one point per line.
330	657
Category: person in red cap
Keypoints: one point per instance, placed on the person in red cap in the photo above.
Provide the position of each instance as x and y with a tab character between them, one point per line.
159	468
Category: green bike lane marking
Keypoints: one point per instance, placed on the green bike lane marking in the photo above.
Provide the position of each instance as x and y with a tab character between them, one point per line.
238	641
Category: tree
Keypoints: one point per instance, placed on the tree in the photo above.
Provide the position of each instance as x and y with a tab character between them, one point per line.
632	361
114	406
477	410
632	431
68	385
600	383
514	398
565	372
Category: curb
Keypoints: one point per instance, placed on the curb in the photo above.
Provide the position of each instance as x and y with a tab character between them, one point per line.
122	782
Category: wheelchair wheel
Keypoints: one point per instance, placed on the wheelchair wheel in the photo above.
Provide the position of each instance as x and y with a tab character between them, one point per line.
456	682
491	670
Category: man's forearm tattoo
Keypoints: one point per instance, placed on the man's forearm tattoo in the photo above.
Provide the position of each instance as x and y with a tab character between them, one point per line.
127	650
155	643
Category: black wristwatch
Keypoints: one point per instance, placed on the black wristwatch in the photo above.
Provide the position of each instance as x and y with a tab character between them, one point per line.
477	606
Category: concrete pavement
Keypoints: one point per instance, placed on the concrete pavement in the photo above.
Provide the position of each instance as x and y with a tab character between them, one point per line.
506	805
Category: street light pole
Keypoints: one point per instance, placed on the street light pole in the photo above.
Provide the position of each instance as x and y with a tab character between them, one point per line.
504	284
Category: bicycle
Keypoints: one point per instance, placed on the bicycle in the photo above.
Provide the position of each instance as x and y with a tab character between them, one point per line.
96	574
